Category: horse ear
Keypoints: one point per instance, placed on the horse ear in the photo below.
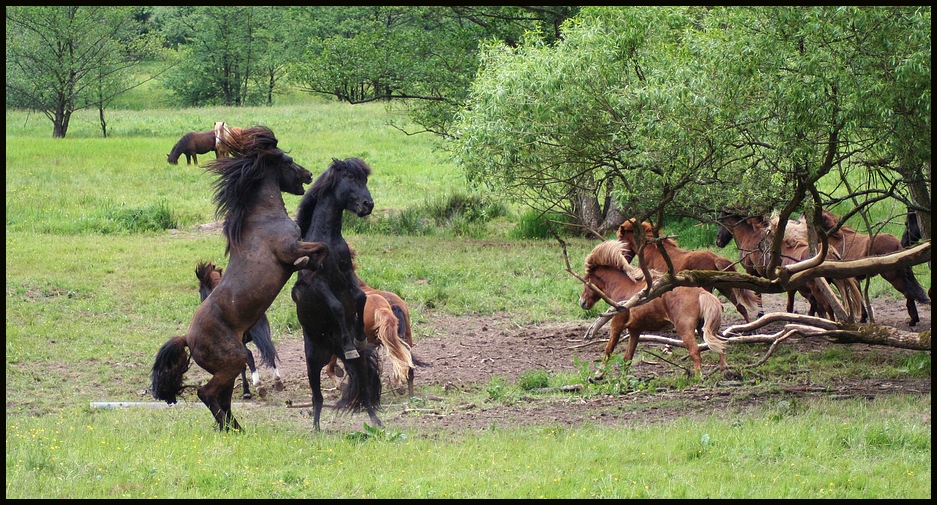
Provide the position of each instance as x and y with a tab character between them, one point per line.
647	227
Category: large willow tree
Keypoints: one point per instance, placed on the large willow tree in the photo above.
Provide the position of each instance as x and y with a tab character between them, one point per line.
640	111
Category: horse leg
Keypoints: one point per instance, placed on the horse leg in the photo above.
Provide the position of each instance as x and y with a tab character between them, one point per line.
332	374
195	158
314	363
255	376
212	395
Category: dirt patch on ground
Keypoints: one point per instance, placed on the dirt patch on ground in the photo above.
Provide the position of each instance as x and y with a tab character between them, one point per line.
463	354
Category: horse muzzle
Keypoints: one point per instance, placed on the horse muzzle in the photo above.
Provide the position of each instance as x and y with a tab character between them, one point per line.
365	208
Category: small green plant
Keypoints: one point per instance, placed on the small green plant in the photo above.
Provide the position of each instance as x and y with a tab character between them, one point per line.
375	433
156	217
496	388
533	379
533	225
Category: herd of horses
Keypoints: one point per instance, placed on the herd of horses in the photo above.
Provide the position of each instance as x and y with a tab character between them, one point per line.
339	319
696	310
344	319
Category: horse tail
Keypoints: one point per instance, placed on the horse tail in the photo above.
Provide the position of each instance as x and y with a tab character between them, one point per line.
397	350
364	381
851	294
711	314
913	290
404	332
172	361
260	335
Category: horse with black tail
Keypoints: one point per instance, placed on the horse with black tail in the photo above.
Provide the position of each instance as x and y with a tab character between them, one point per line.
329	302
265	249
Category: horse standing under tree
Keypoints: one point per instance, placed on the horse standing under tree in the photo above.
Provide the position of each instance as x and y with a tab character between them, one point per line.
329	302
853	245
210	276
746	301
191	145
265	249
684	308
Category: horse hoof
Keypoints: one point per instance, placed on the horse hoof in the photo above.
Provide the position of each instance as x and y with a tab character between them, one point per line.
352	354
247	396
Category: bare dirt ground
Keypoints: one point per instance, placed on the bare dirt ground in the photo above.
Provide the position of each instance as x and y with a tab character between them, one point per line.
464	353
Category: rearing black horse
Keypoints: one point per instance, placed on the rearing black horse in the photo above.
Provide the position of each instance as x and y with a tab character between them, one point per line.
265	249
329	301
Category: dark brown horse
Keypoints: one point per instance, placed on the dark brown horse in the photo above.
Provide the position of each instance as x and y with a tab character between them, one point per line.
746	301
329	302
685	309
853	245
265	249
191	145
210	276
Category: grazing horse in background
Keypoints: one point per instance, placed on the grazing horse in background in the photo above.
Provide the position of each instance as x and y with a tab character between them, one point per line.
853	245
225	136
191	145
209	276
329	302
683	308
746	301
265	249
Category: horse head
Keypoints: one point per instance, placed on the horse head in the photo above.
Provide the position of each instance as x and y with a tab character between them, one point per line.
209	276
609	254
352	182
626	236
292	175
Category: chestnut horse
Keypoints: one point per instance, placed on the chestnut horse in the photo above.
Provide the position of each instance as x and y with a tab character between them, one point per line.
191	145
853	245
225	136
796	248
209	276
684	309
746	301
381	328
265	249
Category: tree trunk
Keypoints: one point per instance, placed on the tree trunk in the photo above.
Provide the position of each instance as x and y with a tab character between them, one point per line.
101	118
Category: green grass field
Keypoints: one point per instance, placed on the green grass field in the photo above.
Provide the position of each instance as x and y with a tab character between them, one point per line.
96	282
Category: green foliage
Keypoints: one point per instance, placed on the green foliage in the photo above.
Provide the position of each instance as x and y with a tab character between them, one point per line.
376	434
533	379
156	217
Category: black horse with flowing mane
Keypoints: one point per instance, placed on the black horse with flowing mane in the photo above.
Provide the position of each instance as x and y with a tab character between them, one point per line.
210	276
329	302
265	249
191	145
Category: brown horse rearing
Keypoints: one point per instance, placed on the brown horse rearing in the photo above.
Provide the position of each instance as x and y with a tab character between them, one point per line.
853	245
746	301
683	308
265	249
191	145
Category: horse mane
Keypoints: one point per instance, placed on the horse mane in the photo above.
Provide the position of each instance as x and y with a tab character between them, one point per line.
611	254
795	233
203	271
238	178
324	183
179	148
